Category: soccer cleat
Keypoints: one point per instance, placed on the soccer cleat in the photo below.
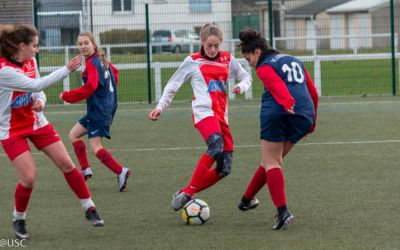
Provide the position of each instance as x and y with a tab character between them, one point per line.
20	230
244	206
283	220
94	218
179	199
87	173
122	177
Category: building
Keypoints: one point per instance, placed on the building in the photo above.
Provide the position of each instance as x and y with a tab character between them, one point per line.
60	22
17	11
307	21
163	14
362	19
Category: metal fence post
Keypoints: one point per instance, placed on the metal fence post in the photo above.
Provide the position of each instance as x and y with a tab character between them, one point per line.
158	84
66	79
248	95
148	53
317	75
393	47
271	23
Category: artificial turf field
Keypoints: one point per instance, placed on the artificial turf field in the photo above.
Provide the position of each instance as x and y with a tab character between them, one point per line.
342	184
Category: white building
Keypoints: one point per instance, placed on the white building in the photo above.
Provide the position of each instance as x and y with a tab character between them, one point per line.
163	14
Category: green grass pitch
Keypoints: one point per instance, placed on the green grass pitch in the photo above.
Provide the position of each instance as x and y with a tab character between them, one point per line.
342	184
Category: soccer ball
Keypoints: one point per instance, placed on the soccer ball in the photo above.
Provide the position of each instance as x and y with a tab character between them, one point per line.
196	212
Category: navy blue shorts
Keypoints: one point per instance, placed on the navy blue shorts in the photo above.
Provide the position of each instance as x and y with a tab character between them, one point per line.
281	128
95	129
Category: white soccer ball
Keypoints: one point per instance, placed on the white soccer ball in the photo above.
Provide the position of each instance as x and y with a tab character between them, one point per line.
196	212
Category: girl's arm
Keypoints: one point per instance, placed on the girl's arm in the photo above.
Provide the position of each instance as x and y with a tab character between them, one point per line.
175	82
276	86
86	90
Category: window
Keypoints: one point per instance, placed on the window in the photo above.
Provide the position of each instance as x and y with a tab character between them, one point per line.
200	6
122	6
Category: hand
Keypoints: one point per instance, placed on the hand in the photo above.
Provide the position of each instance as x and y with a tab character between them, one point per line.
154	114
60	96
38	106
291	110
74	63
236	89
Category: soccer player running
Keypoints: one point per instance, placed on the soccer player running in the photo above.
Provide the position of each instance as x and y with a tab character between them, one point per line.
288	113
21	118
100	79
209	71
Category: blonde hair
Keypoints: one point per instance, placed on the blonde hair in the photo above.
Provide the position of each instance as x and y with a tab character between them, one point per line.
13	34
210	29
96	48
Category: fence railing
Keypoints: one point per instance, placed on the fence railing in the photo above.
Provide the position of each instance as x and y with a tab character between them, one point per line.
157	67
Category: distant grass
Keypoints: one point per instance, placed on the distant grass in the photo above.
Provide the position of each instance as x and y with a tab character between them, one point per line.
341	184
339	78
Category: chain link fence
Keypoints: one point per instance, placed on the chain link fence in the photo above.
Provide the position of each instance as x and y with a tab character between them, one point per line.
349	47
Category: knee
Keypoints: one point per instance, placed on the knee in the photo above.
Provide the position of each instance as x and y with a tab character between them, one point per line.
72	137
28	181
224	164
215	145
66	165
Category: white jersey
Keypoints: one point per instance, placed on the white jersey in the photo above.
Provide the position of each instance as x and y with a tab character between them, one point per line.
209	80
19	87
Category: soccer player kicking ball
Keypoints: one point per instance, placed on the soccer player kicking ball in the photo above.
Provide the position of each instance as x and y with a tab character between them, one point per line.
209	71
288	113
21	118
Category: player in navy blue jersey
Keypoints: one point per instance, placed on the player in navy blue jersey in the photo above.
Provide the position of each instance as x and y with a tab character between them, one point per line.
100	79
288	114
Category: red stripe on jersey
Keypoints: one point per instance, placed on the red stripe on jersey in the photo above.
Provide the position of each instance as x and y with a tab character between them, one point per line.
215	73
22	115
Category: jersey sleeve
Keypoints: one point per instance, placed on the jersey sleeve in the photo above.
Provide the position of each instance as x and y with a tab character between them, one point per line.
314	96
115	72
11	79
239	73
182	74
38	95
86	90
276	86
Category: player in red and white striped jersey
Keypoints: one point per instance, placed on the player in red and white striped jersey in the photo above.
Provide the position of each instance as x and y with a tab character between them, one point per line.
209	71
21	118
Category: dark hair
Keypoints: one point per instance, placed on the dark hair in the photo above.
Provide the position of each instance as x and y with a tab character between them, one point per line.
13	34
96	48
250	40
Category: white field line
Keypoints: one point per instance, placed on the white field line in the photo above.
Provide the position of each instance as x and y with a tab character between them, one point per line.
241	146
230	107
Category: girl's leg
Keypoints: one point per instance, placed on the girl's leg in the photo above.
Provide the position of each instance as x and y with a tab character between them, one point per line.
79	146
210	130
211	133
272	153
26	170
104	156
258	180
59	155
110	162
224	162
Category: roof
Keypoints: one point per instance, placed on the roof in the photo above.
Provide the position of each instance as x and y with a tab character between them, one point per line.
359	6
315	7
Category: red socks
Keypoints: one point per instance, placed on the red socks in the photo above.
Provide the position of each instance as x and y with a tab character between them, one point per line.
21	197
276	186
257	182
80	151
209	179
77	183
199	173
108	160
